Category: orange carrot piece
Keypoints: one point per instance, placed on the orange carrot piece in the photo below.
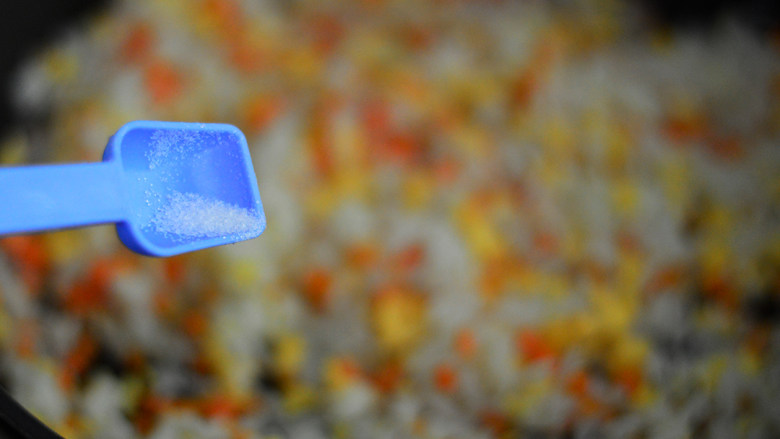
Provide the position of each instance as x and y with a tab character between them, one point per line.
578	383
466	343
175	269
91	292
164	82
77	360
495	421
246	57
533	347
445	378
410	257
546	243
316	288
138	43
629	379
195	323
27	332
388	377
664	278
362	255
227	13
261	111
28	254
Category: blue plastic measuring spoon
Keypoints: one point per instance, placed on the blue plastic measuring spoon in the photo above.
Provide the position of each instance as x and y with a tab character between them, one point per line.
170	187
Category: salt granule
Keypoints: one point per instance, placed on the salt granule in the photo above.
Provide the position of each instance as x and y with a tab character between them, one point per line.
188	215
167	146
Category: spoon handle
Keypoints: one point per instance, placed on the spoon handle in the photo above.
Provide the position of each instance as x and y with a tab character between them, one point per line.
36	198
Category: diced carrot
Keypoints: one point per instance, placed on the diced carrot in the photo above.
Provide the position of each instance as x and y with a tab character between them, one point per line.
546	243
446	171
261	111
91	292
377	119
495	421
220	406
597	271
224	20
410	257
628	242
692	127
342	371
758	340
27	249
524	88
402	147
239	432
77	360
75	422
247	57
164	301
138	43
195	323
207	294
533	347
629	379
148	411
589	406
135	360
529	81
350	368
316	288
388	377
164	82
27	332
202	364
362	255
493	277
578	383
326	31
466	343
28	254
175	269
226	13
320	144
721	290
726	147
445	378
417	37
664	278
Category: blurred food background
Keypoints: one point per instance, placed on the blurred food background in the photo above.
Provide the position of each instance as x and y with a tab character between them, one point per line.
489	219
